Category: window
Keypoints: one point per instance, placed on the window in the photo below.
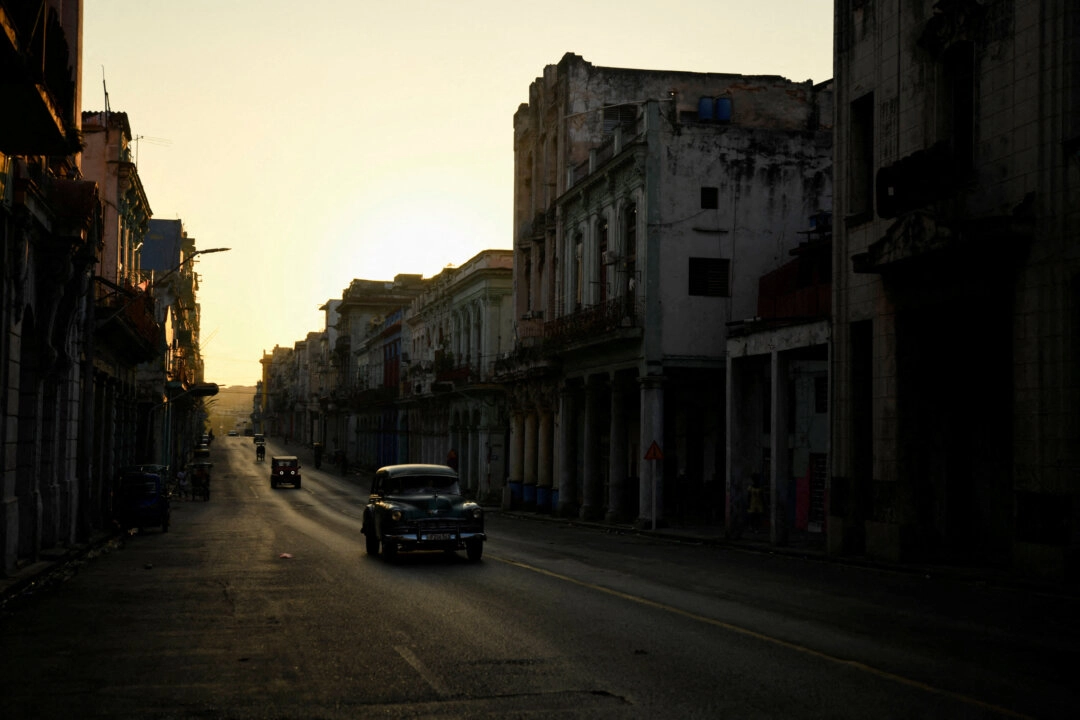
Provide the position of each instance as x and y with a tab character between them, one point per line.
959	103
710	198
821	394
579	249
601	249
630	246
616	116
861	159
710	277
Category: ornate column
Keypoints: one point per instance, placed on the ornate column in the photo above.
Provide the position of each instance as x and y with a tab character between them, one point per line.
517	459
528	499
593	481
617	464
651	492
544	459
564	497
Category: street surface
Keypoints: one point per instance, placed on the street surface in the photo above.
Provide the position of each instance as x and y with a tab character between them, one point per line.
262	604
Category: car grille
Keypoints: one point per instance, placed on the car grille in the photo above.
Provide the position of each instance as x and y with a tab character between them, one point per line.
440	525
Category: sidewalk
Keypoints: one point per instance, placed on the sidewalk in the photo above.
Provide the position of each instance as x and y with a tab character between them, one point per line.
807	548
54	565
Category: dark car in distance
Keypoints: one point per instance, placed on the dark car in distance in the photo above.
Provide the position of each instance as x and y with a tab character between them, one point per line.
285	469
420	507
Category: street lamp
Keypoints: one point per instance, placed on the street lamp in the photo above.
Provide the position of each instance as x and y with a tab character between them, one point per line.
186	260
158	282
197	390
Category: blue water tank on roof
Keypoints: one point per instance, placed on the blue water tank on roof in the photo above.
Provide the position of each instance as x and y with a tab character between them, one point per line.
705	109
723	109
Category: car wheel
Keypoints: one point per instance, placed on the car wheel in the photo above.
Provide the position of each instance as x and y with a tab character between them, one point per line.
389	550
297	484
165	525
371	543
273	484
474	550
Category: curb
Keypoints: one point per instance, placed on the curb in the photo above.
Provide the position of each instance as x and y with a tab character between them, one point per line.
967	575
55	566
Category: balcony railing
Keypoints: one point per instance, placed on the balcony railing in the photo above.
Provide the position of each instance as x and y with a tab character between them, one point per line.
594	321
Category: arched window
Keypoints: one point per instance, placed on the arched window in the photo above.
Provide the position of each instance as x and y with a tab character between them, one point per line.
630	247
578	279
601	255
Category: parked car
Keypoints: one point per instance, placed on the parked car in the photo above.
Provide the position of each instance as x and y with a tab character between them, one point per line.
285	469
234	433
420	507
260	439
142	500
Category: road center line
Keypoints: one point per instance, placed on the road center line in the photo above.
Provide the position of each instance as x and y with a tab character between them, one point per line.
435	683
853	664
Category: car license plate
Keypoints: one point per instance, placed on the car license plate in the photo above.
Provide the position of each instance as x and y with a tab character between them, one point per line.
439	536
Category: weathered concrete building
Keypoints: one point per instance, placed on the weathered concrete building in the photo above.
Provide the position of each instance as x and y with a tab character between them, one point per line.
275	414
126	330
50	232
778	397
455	333
170	416
367	386
647	204
956	423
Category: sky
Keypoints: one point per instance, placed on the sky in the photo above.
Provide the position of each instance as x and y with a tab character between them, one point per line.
328	140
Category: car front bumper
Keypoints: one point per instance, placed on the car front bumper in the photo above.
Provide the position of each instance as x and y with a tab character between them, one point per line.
433	539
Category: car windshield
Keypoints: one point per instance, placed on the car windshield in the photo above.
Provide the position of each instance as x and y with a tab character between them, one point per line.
420	484
138	486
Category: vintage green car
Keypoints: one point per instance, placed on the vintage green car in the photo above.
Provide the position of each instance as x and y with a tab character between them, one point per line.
420	507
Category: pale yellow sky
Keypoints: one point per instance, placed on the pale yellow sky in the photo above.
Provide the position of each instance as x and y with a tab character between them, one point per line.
327	140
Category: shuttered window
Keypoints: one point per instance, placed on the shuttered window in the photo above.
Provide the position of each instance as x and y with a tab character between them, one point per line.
710	277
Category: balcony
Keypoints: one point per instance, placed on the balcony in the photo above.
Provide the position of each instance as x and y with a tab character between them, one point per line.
126	323
38	88
596	322
539	341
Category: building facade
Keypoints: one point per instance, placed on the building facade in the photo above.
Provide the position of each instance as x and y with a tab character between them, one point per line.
956	423
647	205
455	411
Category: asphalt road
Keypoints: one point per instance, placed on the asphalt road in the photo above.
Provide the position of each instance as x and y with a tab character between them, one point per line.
262	604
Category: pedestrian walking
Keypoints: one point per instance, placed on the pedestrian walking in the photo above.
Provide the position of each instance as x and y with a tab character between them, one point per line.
757	506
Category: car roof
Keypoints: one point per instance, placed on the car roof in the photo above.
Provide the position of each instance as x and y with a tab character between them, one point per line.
417	469
283	457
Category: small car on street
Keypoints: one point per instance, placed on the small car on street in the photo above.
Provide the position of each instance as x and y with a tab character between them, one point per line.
420	507
142	500
285	469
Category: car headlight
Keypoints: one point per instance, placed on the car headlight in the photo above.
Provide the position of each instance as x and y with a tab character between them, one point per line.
473	510
395	515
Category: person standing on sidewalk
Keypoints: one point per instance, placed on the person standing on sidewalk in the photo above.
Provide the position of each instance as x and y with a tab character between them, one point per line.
757	506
